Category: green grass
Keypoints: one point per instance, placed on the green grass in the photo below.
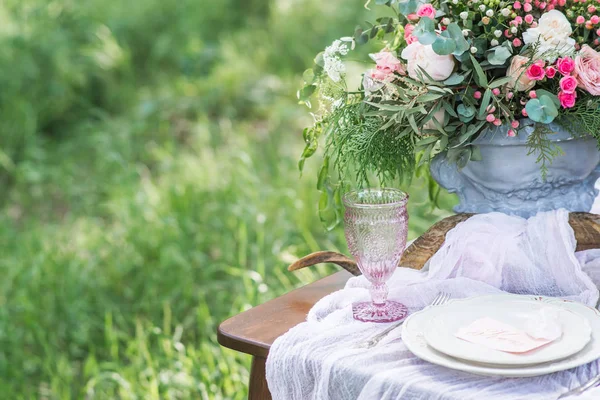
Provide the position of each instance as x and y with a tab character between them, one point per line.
148	155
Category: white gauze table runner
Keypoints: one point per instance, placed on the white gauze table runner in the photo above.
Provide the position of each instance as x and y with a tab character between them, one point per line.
489	253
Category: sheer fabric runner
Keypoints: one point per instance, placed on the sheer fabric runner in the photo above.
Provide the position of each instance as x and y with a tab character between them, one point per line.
489	253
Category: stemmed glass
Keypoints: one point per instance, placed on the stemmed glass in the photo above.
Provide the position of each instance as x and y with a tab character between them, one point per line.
376	224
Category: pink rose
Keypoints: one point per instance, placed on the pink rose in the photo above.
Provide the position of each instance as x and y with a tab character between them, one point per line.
587	70
550	72
516	70
387	63
567	100
412	17
426	10
565	65
535	72
379	75
568	84
408	36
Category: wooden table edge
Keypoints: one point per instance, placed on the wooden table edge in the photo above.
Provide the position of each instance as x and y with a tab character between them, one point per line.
293	306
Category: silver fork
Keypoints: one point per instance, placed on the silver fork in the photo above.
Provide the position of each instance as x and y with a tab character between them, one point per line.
440	299
579	390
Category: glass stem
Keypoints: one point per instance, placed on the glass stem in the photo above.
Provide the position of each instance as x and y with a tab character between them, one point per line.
379	293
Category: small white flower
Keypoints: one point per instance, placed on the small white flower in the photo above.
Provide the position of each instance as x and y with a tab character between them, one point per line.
446	21
514	29
489	13
332	64
475	1
464	15
494	42
454	1
473	49
497	33
505	12
465	32
482	8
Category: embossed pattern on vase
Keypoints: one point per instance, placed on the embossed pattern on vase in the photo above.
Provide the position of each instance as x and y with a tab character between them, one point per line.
509	180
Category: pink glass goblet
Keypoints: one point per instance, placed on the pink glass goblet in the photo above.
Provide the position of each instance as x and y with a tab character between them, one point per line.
376	223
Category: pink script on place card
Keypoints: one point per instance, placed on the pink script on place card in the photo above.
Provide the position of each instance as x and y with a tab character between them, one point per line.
503	337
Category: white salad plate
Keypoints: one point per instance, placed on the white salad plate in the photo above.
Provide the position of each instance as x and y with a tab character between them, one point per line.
519	312
416	326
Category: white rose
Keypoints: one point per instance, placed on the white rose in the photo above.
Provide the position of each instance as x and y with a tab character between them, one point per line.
439	116
423	57
553	34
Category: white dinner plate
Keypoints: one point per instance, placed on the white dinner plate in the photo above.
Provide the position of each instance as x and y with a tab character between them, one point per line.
447	319
413	335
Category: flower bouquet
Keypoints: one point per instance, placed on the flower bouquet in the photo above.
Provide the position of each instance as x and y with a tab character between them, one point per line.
443	73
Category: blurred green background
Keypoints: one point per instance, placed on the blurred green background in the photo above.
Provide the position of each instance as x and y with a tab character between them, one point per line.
148	156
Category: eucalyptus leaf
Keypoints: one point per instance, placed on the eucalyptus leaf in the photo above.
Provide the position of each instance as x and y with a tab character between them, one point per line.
542	92
443	46
541	109
454	79
408	6
425	31
465	111
498	55
455	33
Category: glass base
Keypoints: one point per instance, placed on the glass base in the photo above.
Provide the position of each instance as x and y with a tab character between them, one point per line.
389	312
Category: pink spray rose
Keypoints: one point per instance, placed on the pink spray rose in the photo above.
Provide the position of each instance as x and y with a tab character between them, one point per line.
567	100
408	36
565	65
516	70
426	10
550	72
387	63
587	70
568	84
536	72
379	75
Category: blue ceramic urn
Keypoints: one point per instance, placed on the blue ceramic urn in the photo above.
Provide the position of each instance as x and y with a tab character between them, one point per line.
510	181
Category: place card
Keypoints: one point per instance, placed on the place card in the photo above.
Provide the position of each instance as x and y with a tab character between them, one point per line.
497	335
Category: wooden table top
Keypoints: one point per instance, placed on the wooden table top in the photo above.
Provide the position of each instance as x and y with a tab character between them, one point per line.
254	331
